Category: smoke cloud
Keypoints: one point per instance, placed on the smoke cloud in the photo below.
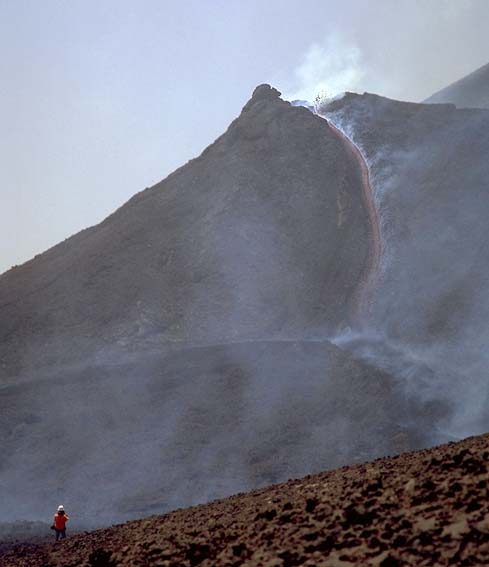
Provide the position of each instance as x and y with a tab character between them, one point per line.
329	68
377	47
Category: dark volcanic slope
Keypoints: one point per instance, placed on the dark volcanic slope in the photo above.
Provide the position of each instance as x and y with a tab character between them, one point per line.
262	236
419	509
471	91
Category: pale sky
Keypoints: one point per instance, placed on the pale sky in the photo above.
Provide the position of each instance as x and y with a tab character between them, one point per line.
102	98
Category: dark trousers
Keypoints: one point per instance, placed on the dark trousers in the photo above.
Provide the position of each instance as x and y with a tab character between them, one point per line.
60	534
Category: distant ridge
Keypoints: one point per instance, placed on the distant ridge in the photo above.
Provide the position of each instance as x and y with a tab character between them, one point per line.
471	91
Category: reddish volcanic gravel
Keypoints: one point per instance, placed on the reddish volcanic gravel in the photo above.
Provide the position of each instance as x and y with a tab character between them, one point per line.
427	508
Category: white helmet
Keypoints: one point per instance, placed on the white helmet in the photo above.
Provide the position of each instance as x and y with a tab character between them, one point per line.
60	508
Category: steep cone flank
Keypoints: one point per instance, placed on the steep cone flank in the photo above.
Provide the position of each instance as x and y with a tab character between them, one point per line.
264	235
419	509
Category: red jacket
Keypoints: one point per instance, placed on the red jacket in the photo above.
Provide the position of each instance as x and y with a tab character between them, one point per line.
60	521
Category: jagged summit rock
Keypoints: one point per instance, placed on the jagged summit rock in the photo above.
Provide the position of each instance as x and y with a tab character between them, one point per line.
263	94
265	91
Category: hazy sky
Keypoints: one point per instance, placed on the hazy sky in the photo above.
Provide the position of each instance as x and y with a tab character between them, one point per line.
99	99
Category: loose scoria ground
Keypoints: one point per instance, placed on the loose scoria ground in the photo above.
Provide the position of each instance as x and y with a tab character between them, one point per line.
428	508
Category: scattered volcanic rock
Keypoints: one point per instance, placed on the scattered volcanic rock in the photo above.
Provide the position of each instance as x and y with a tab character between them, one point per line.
418	509
472	91
23	531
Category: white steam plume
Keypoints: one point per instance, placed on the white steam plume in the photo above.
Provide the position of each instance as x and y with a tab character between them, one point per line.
331	67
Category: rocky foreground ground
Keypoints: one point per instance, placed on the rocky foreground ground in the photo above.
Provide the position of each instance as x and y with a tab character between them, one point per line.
429	507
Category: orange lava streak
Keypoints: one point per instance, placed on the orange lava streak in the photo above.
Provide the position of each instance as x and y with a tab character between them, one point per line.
362	296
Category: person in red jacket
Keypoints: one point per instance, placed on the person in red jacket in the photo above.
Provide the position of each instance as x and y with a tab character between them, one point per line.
60	519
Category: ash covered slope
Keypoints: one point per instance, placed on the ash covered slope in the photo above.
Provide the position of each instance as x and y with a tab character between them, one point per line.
430	174
263	235
420	509
472	91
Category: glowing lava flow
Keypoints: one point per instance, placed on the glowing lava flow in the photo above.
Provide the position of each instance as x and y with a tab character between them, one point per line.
362	297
